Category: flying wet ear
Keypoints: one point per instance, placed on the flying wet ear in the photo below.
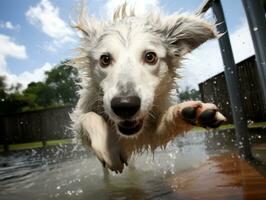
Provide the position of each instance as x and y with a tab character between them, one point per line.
186	32
88	26
89	30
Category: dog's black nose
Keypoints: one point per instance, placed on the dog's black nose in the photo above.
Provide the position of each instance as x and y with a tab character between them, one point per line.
125	107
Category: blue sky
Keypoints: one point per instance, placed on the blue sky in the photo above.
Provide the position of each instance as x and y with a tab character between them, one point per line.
35	35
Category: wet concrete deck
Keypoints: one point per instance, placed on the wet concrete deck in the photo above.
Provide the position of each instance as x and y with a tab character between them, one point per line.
221	178
198	165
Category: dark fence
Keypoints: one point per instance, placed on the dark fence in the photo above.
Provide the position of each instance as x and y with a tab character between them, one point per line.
215	90
42	125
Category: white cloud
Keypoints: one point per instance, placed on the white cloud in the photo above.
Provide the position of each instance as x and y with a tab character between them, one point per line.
50	47
8	48
27	77
206	61
45	16
9	25
140	6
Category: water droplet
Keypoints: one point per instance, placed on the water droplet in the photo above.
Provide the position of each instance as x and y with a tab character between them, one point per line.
79	191
249	122
240	144
255	29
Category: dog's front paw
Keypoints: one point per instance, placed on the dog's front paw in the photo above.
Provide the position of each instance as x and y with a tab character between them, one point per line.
111	157
201	114
104	142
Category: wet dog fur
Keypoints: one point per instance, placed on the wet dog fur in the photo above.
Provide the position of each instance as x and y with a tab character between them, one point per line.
134	60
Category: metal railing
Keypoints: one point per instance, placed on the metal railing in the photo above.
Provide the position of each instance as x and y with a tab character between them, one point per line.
257	24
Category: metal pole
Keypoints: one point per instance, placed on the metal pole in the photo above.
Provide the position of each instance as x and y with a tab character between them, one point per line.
205	6
257	25
230	71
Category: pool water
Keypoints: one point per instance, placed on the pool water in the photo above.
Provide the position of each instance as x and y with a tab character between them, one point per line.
70	172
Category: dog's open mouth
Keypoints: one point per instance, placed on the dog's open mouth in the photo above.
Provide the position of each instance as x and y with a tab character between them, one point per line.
130	127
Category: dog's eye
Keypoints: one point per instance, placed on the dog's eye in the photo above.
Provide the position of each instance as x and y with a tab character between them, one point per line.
105	60
150	58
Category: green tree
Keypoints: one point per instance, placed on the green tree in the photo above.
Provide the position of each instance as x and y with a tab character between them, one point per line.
58	89
189	94
41	94
63	80
264	4
3	93
17	102
12	101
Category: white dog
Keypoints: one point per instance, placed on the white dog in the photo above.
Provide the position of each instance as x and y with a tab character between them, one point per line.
128	70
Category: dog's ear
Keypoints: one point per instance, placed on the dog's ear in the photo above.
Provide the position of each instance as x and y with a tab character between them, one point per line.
87	26
186	32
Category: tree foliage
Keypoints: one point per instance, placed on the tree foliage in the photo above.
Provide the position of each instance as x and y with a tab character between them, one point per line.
264	4
40	93
62	81
2	87
11	102
58	89
189	94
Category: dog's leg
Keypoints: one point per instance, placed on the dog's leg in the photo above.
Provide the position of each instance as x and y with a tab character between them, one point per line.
105	173
104	142
182	117
131	162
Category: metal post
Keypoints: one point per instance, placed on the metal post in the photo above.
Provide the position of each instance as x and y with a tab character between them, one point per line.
230	71
257	25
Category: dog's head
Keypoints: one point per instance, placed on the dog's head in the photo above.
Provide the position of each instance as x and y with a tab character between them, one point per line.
133	59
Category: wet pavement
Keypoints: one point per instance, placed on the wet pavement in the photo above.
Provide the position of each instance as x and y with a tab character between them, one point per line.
194	166
221	177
